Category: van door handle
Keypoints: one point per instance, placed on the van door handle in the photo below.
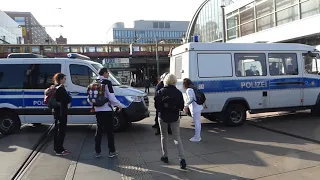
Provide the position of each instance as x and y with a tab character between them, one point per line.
74	93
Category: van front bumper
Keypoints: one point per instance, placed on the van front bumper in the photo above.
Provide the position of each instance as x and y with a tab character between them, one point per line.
136	111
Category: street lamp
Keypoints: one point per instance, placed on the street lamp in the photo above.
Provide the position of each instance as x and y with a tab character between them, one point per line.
157	57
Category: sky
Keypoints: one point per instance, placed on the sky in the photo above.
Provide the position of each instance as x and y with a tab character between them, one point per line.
87	21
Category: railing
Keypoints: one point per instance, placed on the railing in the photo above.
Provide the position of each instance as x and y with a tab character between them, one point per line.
89	49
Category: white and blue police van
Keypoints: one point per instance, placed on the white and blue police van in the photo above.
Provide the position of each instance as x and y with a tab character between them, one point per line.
256	77
22	85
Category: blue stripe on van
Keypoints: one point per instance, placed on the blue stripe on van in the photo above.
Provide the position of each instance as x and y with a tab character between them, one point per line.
256	84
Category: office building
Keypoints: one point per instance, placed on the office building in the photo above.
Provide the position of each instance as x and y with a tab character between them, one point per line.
147	31
10	33
207	22
33	31
250	21
61	40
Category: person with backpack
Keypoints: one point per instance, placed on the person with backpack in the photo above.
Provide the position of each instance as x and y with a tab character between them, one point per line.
169	102
59	101
159	86
193	105
101	97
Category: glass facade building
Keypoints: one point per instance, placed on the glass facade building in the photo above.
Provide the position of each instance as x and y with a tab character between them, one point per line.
207	22
146	36
10	33
260	15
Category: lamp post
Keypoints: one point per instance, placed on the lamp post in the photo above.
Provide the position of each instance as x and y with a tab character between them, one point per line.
157	58
223	24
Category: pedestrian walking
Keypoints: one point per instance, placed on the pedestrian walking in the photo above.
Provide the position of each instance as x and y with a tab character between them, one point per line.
169	102
193	108
147	85
158	87
101	97
60	113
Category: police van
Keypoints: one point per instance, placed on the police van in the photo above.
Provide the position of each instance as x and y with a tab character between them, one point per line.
22	85
255	77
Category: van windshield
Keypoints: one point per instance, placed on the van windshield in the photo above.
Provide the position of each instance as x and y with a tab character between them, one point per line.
112	78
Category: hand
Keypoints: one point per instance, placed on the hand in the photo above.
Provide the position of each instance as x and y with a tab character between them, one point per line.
119	109
186	109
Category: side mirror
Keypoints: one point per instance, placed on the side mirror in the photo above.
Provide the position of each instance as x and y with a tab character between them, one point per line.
312	54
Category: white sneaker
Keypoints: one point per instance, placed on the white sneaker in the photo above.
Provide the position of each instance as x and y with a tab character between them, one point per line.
195	139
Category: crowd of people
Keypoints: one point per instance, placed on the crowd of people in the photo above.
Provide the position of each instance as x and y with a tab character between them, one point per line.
169	102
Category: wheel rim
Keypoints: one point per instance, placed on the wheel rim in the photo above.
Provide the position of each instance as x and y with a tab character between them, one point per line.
7	123
236	116
116	122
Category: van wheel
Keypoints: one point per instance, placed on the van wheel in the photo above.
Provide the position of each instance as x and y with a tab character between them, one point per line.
234	115
120	123
315	110
9	123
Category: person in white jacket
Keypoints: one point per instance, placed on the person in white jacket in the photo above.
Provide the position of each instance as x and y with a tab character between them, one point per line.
194	108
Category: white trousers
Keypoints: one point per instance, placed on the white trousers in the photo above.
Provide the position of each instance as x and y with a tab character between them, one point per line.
197	123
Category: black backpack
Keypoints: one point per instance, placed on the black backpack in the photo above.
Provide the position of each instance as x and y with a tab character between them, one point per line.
96	91
200	97
169	103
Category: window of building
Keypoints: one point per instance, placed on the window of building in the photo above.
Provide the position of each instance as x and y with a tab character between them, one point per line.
214	65
282	4
178	67
310	8
155	25
311	65
283	64
265	22
232	33
39	76
167	24
287	15
247	28
161	24
250	64
247	15
264	8
81	75
12	75
233	21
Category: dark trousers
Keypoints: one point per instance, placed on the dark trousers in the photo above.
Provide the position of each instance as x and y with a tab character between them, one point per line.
147	90
104	123
59	132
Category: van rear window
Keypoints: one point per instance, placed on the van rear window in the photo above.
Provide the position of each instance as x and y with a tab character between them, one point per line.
178	67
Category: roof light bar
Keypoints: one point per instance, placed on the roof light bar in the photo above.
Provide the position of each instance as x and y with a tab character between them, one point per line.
77	56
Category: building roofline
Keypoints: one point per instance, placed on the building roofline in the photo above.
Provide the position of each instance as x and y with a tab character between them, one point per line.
236	5
194	20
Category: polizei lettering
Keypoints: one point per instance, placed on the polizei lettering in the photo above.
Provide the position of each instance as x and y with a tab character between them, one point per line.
254	85
38	103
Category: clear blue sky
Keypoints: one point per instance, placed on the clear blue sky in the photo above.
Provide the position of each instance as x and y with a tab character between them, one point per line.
88	21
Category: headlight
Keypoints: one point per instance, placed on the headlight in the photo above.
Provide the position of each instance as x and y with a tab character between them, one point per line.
134	98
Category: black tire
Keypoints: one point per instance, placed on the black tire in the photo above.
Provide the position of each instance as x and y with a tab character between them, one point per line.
234	115
120	122
9	123
315	110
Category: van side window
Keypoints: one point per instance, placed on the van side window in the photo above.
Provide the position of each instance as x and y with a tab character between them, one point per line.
250	64
12	75
178	67
39	76
283	64
81	75
311	64
214	65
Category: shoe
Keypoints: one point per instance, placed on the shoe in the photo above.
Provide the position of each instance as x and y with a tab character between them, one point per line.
97	155
183	164
157	133
113	154
195	139
63	153
165	159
